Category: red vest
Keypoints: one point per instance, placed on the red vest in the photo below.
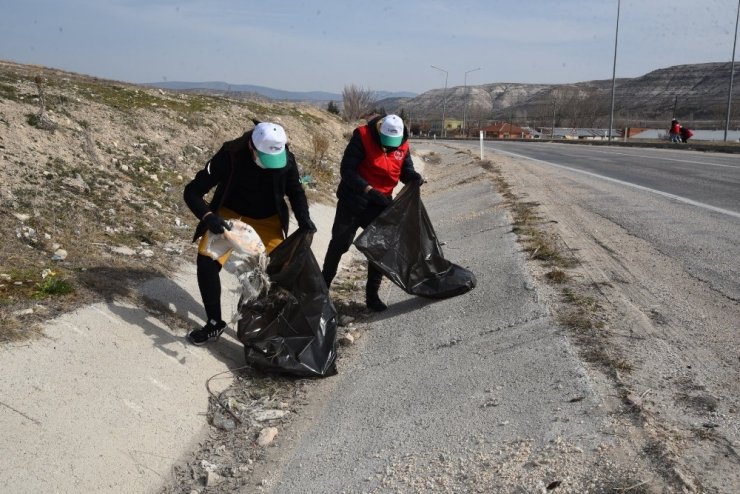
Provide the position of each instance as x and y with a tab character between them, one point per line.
381	170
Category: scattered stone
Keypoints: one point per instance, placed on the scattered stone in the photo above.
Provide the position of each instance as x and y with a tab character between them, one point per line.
345	320
634	400
123	250
490	403
346	339
223	423
212	479
147	253
22	216
5	277
267	436
23	312
59	255
265	415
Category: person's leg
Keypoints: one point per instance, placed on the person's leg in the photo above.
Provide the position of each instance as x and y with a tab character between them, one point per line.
372	298
342	234
374	275
209	283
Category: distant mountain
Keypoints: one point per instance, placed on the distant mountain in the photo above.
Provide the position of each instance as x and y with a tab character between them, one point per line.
695	93
275	94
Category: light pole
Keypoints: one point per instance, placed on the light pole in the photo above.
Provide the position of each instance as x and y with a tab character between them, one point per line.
732	72
614	73
444	100
465	105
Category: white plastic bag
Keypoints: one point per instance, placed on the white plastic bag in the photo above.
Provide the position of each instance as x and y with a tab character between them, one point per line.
242	238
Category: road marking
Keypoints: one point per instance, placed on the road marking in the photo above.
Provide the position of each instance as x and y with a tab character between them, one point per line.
665	159
628	184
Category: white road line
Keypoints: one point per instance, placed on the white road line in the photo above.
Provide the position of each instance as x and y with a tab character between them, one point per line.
628	184
665	159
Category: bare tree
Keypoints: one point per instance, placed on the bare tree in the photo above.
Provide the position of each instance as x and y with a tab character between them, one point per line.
357	101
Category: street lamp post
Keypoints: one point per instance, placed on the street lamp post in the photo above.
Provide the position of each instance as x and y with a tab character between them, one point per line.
732	73
444	101
614	73
465	105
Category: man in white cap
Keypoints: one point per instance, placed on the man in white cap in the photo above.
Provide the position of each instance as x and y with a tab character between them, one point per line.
375	159
252	175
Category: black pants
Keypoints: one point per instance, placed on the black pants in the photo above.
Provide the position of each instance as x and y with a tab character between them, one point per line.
346	223
209	283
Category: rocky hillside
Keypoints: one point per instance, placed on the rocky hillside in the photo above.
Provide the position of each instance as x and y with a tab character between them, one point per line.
91	179
698	92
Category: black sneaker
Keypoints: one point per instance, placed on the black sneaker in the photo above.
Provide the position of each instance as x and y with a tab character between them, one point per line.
211	331
375	304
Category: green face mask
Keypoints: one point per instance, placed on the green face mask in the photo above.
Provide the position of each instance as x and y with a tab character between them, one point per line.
271	161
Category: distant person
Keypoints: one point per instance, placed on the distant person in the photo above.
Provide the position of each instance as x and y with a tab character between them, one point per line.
375	159
252	175
675	131
685	134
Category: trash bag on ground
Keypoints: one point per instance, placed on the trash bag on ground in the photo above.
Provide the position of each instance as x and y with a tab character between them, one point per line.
292	328
401	243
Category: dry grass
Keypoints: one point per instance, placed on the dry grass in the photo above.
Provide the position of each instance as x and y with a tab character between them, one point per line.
579	309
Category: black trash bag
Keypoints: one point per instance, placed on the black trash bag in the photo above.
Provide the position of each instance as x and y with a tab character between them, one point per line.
292	329
401	243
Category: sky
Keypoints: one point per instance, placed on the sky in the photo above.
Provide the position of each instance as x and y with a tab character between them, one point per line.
380	45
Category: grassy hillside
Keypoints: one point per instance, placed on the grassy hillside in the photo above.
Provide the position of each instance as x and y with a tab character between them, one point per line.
91	179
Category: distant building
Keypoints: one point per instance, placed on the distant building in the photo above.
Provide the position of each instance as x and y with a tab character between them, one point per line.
572	133
452	126
505	130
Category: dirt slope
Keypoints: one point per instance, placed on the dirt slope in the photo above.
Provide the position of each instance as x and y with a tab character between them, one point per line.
91	177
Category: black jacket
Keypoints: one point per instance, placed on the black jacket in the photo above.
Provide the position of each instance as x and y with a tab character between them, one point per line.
222	172
351	190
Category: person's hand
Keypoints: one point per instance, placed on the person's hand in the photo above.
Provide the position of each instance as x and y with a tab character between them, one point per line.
307	226
419	181
215	223
377	197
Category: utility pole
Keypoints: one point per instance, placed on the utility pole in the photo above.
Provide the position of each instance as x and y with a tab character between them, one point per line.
732	73
614	72
444	101
465	105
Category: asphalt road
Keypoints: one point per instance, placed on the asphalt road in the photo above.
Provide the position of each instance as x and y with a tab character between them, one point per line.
711	180
685	203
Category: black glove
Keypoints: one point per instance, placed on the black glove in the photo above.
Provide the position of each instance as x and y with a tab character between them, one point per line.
216	224
419	181
307	226
377	197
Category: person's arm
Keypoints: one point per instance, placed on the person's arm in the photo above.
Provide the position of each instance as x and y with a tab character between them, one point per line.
354	153
408	173
204	181
297	196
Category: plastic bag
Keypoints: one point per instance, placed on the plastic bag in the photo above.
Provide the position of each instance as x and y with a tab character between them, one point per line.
242	237
401	243
293	328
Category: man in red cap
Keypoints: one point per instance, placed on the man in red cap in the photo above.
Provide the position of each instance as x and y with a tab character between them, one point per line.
375	159
252	176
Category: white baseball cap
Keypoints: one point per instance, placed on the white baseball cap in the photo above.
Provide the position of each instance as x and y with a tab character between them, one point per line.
391	131
269	142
